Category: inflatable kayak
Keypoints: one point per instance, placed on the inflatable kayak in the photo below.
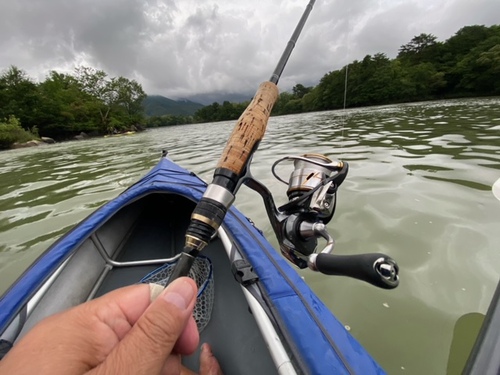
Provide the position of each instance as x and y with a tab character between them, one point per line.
263	318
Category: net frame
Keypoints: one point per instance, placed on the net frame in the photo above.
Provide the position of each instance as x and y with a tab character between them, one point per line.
202	273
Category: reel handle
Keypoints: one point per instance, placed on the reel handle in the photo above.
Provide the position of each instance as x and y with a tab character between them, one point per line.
375	268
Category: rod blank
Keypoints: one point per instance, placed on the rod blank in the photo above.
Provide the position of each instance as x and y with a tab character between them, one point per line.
291	44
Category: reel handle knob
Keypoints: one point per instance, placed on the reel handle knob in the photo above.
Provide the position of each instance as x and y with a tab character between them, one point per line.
376	268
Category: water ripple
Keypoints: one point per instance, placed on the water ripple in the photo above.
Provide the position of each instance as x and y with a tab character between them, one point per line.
419	189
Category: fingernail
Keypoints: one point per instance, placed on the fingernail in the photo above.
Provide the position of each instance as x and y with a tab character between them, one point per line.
179	293
155	290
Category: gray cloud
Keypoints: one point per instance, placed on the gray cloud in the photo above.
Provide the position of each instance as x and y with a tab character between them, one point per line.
180	48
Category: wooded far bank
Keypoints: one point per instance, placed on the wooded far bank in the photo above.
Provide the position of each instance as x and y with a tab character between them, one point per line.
465	65
89	101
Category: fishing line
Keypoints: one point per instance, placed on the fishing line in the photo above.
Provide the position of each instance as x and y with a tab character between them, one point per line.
345	83
343	117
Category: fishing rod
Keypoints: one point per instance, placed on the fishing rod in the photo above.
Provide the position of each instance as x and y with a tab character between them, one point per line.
243	142
291	44
298	224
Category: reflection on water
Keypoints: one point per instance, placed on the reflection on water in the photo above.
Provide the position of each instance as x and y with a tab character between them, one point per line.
419	189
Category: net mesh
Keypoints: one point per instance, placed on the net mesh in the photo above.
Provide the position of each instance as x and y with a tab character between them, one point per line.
201	272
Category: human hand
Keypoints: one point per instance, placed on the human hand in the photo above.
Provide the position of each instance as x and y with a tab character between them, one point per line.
122	332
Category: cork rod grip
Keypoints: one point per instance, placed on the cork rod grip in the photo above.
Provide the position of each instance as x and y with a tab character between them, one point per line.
249	129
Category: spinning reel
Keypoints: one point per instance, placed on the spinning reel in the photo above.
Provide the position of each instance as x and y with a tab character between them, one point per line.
312	193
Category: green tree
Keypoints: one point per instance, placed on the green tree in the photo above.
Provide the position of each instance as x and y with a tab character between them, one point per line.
310	100
329	94
96	84
422	48
18	97
118	101
461	54
208	113
466	39
426	80
168	120
65	109
216	112
127	96
479	70
279	106
300	90
12	132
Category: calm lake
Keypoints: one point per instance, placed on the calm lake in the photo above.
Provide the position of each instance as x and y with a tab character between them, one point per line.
419	190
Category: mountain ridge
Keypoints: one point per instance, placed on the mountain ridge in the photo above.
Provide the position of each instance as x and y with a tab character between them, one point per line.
158	105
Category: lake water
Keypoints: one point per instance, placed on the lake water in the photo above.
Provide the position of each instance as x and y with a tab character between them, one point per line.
419	190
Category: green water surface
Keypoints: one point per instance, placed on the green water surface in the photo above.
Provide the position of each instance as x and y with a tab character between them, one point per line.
419	189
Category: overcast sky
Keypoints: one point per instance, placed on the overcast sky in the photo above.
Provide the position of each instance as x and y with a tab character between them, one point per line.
180	48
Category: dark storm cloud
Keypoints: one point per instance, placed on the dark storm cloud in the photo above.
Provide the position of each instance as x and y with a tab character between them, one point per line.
61	34
180	48
388	29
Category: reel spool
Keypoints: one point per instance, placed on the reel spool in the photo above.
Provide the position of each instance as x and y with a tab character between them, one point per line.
298	224
313	184
307	174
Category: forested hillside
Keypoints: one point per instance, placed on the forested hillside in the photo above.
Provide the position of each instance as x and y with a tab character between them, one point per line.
157	105
465	65
65	105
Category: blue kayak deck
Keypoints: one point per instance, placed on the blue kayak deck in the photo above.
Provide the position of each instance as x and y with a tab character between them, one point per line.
319	342
159	233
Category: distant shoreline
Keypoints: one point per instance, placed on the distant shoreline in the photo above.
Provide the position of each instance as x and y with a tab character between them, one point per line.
46	141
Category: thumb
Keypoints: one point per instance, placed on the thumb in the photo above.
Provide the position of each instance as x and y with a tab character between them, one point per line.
146	347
